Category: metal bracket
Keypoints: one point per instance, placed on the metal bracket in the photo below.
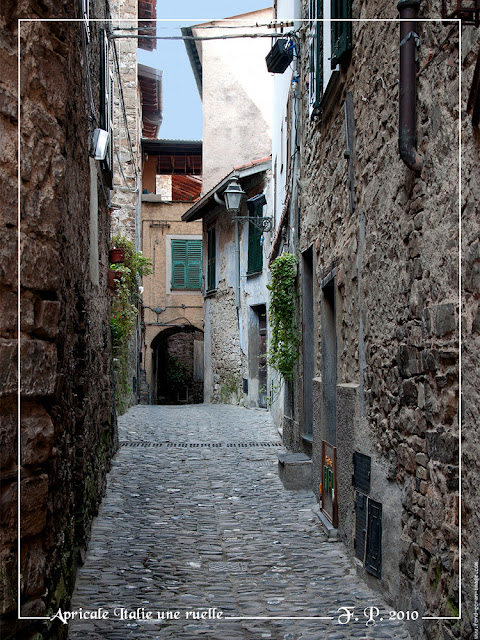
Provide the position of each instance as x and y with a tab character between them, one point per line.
264	224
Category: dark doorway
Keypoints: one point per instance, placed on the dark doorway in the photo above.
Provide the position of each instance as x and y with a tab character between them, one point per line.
329	361
176	366
262	355
308	346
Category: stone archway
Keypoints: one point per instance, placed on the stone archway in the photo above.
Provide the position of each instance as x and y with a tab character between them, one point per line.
177	366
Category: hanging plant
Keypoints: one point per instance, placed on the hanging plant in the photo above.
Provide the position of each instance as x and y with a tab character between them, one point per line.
284	344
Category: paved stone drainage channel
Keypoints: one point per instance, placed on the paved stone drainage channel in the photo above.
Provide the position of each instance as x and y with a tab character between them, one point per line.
199	530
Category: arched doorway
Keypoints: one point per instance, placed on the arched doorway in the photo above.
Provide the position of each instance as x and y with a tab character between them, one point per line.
177	366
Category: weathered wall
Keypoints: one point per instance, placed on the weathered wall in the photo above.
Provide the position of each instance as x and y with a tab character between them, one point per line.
236	100
161	221
127	134
396	299
224	361
470	330
67	422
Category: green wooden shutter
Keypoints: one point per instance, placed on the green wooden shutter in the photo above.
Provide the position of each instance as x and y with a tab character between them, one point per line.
179	264
186	264
255	249
211	260
341	31
315	76
194	264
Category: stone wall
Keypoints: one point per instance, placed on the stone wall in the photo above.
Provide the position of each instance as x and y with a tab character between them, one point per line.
127	134
470	331
394	263
224	361
67	422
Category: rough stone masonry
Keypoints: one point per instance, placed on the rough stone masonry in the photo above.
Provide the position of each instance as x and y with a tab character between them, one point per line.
67	424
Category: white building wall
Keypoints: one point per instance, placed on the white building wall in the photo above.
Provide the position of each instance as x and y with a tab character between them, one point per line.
237	97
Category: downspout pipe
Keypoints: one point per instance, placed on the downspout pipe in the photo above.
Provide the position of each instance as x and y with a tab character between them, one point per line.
407	92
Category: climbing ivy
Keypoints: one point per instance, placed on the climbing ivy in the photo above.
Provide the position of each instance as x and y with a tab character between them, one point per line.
285	338
124	313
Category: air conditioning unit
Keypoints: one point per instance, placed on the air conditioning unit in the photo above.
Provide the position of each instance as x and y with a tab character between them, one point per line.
280	56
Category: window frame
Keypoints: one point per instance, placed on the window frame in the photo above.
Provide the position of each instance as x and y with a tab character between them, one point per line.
211	276
329	44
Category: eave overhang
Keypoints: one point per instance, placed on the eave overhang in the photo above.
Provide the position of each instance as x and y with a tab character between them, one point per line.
207	202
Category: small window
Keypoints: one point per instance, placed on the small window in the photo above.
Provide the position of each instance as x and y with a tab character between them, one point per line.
315	11
186	264
329	43
211	276
341	31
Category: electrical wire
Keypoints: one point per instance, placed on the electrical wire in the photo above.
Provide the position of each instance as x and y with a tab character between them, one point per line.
200	38
270	25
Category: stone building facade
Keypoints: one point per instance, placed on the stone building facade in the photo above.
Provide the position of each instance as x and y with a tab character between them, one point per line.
67	424
172	311
378	245
236	92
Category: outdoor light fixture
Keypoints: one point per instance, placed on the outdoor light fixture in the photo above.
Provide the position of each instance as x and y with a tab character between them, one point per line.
100	141
233	195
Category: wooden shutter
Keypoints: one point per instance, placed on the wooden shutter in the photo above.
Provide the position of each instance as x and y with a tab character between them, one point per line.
341	31
360	525
194	264
211	260
373	555
186	264
315	75
179	263
255	248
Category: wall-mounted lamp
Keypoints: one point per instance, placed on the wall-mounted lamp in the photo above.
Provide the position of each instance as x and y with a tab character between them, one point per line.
233	195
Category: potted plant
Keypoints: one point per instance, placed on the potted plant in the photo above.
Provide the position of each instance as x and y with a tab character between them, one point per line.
116	255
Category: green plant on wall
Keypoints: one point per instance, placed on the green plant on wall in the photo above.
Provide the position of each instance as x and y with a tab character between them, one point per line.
230	388
124	312
284	343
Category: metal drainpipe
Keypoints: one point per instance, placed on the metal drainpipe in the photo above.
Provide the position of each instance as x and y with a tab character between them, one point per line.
407	135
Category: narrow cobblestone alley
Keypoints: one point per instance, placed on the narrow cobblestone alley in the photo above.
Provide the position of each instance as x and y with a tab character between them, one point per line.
196	518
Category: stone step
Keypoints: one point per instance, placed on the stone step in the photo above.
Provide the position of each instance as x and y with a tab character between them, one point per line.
295	471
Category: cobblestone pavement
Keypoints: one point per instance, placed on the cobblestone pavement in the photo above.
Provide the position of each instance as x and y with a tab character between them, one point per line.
196	522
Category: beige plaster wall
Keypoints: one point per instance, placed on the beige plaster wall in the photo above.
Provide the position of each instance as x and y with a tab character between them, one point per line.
160	222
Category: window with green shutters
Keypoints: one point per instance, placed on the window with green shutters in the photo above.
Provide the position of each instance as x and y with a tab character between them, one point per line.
315	71
211	280
325	56
186	264
341	31
255	247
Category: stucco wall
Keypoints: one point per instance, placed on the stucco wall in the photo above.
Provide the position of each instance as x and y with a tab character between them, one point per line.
237	95
161	221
